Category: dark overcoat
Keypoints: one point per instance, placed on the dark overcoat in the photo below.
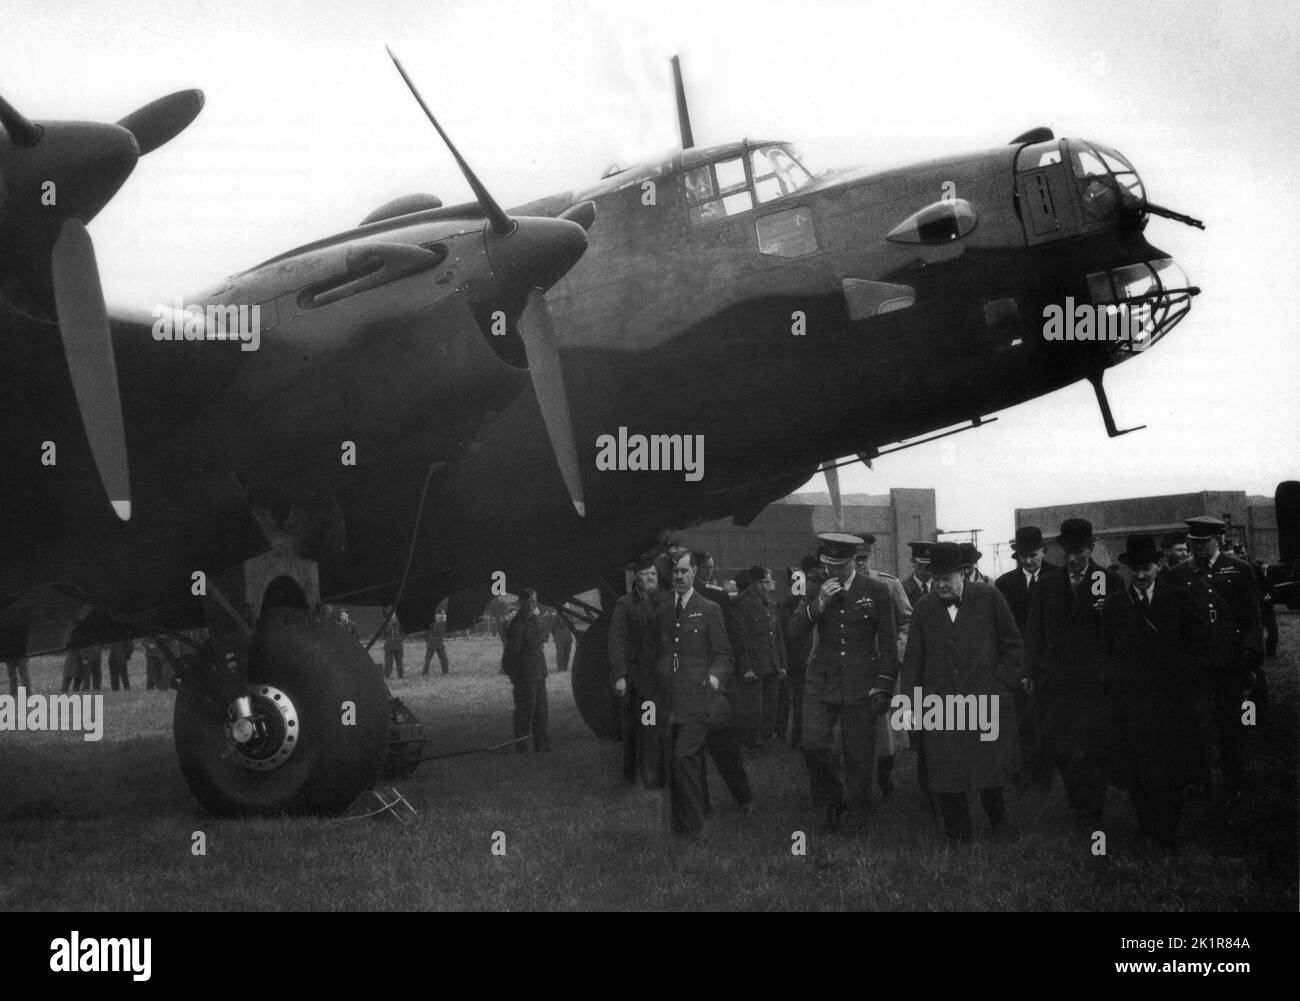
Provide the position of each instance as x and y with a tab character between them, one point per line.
1063	659
1152	736
978	654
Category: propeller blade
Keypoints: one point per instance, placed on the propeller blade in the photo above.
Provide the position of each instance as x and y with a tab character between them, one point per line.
683	115
161	121
83	323
548	383
502	224
22	131
832	474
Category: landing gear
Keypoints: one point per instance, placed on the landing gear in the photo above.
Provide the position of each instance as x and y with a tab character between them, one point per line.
309	734
591	688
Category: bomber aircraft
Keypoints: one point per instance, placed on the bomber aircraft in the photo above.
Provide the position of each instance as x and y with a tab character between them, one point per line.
393	413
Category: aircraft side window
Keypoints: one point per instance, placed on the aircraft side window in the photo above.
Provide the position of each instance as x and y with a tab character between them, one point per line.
787	234
718	190
776	173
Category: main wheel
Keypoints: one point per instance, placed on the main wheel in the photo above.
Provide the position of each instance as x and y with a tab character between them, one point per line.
322	712
590	674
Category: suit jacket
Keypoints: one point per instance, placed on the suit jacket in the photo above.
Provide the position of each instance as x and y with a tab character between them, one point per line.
857	638
1226	601
693	648
977	654
761	634
1063	657
1014	589
1148	658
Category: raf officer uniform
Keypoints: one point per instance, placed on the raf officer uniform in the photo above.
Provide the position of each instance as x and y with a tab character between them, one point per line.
694	649
852	673
1222	590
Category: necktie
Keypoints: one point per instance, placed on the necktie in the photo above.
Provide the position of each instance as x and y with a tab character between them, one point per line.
1143	600
1075	580
925	587
679	608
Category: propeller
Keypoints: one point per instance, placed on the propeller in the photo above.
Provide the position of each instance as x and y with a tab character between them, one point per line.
529	255
832	474
548	382
57	177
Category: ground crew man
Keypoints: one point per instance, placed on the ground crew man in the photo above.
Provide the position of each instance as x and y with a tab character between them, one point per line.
435	642
393	640
525	644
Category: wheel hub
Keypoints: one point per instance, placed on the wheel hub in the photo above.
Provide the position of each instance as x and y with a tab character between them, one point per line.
274	724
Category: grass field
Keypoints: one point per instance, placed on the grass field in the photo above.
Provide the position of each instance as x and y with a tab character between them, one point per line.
109	826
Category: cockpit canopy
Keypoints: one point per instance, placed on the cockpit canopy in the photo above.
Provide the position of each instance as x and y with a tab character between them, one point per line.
732	181
1106	181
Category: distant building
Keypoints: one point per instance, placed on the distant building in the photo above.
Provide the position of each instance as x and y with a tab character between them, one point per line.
787	530
1251	520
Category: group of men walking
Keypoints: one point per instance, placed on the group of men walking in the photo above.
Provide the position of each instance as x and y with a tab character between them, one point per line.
1141	680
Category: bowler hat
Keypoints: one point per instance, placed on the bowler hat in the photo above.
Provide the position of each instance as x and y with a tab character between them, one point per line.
1139	550
1075	532
1173	539
946	557
1028	538
969	553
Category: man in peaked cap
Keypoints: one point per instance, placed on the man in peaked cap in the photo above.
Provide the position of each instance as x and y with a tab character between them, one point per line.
963	648
1063	668
887	741
1222	590
1017	586
850	679
918	582
1149	636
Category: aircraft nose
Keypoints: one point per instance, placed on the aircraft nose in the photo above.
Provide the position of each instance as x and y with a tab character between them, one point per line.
537	253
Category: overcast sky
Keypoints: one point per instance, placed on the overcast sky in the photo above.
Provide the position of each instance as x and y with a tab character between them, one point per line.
308	127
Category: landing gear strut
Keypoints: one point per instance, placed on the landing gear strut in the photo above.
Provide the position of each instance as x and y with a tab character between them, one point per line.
291	717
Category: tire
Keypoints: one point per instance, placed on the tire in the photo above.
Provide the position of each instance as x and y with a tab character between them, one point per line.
590	680
316	666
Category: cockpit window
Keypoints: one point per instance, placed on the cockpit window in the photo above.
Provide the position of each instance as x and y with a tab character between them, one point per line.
776	173
1107	181
717	190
